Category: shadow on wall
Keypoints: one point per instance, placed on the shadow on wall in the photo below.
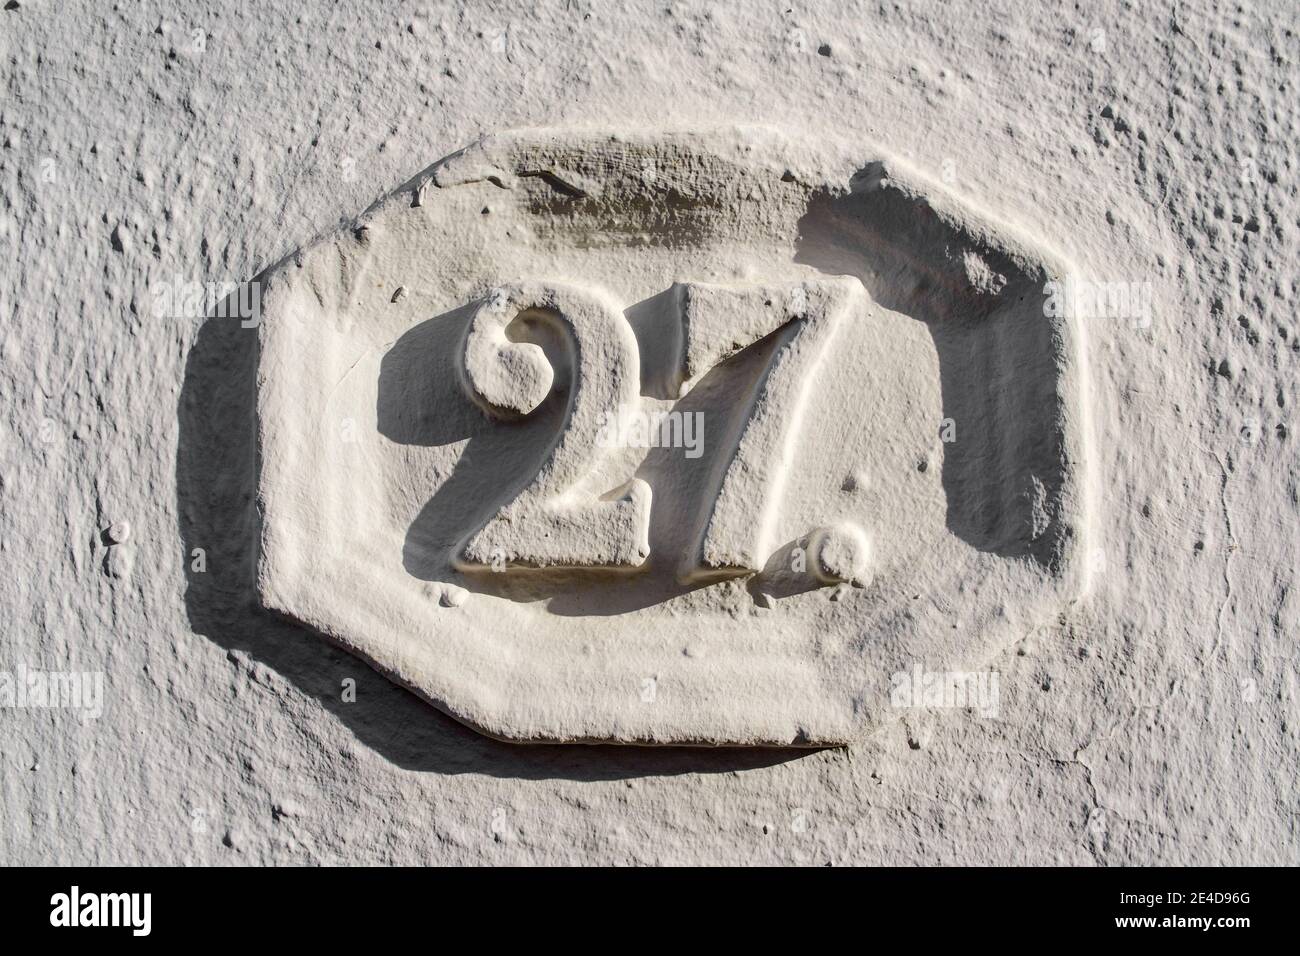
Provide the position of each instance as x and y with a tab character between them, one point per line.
999	356
216	466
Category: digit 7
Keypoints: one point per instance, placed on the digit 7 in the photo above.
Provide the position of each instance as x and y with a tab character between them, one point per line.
719	321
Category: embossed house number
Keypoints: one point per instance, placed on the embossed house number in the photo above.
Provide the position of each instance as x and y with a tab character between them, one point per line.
553	523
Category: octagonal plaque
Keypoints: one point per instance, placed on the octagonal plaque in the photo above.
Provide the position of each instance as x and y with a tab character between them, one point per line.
671	437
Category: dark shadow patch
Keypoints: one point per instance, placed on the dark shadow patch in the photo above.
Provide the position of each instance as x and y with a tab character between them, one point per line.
999	356
656	322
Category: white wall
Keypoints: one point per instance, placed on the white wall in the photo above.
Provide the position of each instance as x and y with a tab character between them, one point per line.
1155	724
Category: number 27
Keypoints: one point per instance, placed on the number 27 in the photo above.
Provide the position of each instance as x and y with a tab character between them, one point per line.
556	521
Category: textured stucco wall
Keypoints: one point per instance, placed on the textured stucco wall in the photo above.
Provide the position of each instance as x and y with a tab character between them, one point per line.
1154	724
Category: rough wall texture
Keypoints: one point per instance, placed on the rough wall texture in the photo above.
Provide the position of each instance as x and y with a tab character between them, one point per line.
144	143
